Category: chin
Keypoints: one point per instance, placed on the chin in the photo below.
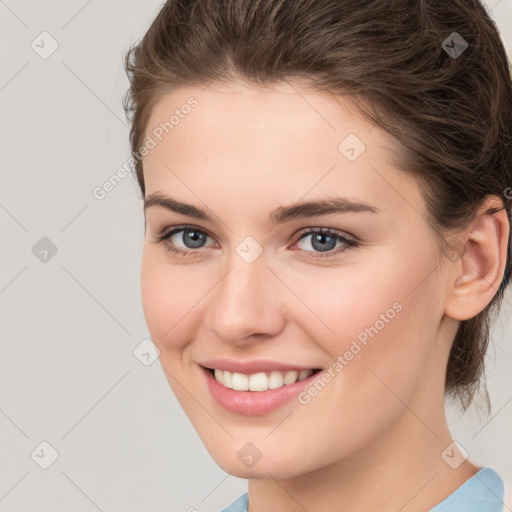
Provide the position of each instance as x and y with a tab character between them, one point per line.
274	464
261	470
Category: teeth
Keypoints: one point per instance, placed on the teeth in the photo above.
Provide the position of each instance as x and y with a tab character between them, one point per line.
304	374
219	375
275	380
290	377
258	381
261	381
228	379
240	382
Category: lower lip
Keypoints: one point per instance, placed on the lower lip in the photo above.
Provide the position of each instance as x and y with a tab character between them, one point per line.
254	403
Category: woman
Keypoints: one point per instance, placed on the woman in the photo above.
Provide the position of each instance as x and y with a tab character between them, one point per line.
327	236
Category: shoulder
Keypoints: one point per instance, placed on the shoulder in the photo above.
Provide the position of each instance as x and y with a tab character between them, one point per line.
240	505
483	492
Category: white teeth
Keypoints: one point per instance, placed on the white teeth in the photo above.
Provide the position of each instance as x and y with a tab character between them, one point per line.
275	380
228	379
260	381
219	375
240	382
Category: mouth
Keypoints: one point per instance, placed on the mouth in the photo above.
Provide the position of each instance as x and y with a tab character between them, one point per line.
256	394
260	381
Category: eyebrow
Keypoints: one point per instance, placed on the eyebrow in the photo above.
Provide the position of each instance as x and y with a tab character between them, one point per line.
278	216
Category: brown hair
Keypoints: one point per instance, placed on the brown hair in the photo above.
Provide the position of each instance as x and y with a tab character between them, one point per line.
449	114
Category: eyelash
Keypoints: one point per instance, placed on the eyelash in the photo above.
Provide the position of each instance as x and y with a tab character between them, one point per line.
164	236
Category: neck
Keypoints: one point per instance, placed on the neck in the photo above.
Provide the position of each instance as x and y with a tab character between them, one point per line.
400	469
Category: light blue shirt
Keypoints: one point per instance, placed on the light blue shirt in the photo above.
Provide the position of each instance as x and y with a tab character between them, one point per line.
483	492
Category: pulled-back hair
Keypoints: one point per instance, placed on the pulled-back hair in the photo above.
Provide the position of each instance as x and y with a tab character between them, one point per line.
450	115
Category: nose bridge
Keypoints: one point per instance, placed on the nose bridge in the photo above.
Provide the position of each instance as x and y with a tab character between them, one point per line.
245	300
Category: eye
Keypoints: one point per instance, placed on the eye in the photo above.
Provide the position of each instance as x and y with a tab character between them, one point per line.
324	241
191	237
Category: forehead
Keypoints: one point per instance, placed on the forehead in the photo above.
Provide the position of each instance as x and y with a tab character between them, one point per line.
277	140
256	113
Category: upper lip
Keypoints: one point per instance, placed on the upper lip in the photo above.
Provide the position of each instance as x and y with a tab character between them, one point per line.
250	367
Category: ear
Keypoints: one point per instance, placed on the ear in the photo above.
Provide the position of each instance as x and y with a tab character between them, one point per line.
478	273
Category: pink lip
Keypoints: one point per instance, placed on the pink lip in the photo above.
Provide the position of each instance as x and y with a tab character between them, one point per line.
250	367
254	403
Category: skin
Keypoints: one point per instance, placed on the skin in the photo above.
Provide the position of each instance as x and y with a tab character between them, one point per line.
242	152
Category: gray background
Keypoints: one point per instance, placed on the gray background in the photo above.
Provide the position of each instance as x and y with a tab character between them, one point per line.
71	323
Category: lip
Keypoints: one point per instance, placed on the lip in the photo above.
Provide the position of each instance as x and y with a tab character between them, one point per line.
254	403
250	367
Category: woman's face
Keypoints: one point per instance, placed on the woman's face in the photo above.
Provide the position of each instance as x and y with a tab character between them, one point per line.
257	281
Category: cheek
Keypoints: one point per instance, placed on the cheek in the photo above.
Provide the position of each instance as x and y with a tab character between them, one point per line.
168	298
381	344
377	325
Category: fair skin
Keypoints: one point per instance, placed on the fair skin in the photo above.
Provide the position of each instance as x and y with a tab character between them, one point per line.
241	153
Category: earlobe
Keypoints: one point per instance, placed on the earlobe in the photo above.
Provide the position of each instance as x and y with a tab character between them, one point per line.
478	273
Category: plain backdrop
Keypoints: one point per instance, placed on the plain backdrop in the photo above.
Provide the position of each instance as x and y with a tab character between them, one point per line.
74	395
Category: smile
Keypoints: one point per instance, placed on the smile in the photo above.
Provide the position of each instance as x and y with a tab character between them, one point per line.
259	393
261	381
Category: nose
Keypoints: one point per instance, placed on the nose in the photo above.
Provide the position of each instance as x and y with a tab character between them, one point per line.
246	305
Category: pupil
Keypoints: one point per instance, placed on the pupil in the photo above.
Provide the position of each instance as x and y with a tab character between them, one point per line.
320	238
193	241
